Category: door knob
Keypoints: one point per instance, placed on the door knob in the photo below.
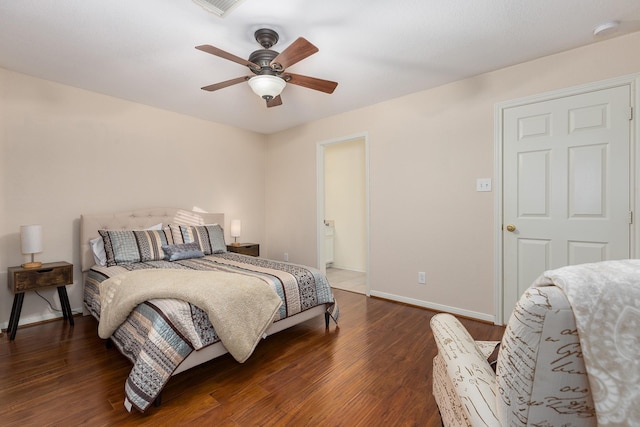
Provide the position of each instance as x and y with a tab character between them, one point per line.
511	228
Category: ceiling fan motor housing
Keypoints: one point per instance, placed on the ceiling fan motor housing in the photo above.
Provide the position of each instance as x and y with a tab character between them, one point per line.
266	37
263	58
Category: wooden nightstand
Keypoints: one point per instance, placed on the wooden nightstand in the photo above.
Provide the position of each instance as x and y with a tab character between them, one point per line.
252	249
21	280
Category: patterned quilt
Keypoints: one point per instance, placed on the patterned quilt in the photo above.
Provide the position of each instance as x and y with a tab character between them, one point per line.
151	337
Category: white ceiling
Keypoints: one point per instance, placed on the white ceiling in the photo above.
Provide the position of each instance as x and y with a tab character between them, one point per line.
143	50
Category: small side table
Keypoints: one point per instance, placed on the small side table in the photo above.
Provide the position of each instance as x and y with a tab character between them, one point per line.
252	249
21	279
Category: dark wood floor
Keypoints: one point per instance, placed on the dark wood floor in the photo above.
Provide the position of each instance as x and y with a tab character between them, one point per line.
374	370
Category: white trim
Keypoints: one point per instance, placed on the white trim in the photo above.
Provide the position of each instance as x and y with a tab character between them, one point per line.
634	159
435	307
497	217
41	317
320	147
320	258
348	267
570	91
633	80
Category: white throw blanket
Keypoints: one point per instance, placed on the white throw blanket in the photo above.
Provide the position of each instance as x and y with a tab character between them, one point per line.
605	298
240	308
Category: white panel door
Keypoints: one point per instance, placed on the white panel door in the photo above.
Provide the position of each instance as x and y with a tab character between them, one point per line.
565	185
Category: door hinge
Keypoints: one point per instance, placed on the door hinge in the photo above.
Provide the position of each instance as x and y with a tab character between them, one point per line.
630	113
630	217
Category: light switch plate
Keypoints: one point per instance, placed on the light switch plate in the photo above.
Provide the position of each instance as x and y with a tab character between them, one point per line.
483	184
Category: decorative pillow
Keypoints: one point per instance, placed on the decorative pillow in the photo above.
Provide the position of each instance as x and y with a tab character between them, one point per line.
209	237
97	247
129	246
182	251
176	234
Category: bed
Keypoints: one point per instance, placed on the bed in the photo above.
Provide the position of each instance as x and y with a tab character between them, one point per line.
165	334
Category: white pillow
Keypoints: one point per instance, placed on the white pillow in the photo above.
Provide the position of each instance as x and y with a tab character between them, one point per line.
97	247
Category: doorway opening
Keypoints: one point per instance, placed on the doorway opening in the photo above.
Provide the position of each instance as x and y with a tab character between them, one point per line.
343	212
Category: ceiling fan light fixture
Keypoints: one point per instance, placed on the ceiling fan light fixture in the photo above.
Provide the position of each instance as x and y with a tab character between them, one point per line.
267	86
218	7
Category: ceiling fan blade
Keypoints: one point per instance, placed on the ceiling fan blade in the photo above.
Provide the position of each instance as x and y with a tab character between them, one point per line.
226	55
226	83
326	86
296	52
274	102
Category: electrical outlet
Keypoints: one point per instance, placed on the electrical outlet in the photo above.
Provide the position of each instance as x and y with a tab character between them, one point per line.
422	277
286	256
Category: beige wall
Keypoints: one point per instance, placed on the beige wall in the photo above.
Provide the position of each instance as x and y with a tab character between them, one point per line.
426	151
64	152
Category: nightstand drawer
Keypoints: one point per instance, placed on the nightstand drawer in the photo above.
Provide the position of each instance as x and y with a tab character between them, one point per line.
251	249
53	274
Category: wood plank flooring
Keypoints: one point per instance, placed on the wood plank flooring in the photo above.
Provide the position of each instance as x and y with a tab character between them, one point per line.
374	370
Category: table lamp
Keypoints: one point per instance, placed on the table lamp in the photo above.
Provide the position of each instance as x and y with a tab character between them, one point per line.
31	243
235	230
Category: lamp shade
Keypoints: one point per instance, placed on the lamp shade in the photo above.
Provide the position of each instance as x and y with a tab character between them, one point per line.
236	226
267	86
31	239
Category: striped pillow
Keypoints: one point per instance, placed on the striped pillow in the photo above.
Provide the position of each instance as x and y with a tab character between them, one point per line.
128	246
209	237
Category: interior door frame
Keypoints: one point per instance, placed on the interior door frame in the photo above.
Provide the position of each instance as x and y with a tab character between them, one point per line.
320	193
633	80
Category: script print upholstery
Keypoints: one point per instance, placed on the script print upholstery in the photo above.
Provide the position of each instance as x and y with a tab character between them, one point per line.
540	379
541	374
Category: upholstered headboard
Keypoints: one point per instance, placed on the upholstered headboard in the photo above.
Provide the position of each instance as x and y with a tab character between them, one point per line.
136	220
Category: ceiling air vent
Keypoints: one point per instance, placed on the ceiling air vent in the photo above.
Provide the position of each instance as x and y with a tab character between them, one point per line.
219	7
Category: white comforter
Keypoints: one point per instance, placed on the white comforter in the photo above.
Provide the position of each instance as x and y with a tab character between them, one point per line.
605	298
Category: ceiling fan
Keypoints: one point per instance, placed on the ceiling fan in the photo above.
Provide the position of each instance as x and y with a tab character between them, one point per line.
270	67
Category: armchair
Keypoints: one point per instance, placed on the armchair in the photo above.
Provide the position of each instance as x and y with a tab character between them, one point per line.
540	377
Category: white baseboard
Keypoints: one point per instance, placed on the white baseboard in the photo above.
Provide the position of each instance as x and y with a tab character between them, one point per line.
27	320
436	307
346	267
